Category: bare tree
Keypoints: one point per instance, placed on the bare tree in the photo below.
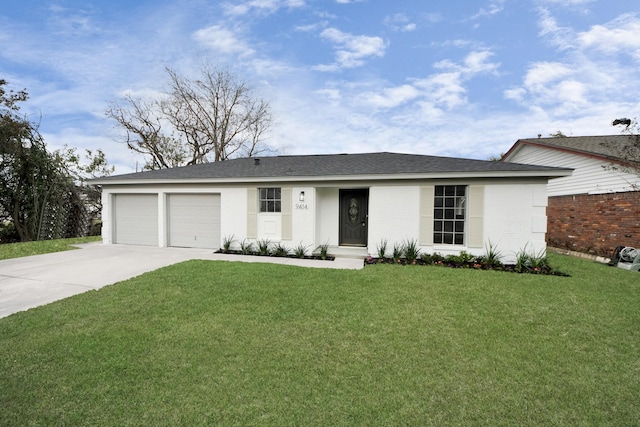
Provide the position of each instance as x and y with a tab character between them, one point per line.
629	152
142	123
213	118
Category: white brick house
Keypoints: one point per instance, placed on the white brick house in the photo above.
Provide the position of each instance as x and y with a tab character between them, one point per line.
350	202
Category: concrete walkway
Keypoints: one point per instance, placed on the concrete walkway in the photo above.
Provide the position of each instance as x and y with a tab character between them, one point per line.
41	279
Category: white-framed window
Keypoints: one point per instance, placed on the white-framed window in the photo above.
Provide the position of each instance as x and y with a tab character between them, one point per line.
270	199
449	214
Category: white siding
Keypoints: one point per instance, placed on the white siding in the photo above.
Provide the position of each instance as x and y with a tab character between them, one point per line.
511	216
589	175
515	218
233	212
326	210
393	215
303	227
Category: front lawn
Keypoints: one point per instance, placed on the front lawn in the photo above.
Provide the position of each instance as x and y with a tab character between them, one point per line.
17	250
229	343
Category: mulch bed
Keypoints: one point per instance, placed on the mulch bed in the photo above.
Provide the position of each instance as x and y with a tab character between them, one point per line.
511	268
316	257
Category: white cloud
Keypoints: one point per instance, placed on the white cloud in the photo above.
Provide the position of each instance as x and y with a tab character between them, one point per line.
494	7
442	90
389	97
593	69
222	40
351	50
551	84
399	22
542	74
312	27
72	22
475	62
620	36
567	2
261	6
562	37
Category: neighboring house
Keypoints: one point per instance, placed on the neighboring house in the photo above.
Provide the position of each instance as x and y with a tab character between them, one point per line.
351	202
596	208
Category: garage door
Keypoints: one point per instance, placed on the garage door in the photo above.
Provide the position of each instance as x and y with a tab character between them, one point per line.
136	219
194	220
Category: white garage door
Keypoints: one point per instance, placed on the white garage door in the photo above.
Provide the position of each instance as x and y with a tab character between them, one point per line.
136	219
194	220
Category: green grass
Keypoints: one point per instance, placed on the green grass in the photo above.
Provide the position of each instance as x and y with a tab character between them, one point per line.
17	250
225	343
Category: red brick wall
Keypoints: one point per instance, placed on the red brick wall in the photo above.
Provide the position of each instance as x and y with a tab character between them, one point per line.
594	224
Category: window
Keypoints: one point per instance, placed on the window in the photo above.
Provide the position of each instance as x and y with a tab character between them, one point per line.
270	199
449	213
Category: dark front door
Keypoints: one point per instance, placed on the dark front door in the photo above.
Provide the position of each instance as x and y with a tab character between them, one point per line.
354	215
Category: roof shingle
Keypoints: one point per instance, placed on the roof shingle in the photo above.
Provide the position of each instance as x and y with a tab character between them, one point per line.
347	165
612	147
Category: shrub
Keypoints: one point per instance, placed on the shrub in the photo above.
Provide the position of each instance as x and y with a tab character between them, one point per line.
526	261
8	232
453	259
263	246
382	248
398	251
492	256
246	247
300	251
227	241
280	250
324	250
411	250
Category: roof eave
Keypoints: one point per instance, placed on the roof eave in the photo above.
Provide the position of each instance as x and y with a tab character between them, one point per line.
542	144
551	173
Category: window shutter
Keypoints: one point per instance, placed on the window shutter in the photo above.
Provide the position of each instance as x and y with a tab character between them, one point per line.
287	226
425	232
475	234
252	213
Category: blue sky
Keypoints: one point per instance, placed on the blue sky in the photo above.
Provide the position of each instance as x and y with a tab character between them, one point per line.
451	78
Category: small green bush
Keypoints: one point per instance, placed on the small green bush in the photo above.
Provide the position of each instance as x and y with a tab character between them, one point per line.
246	247
411	250
382	248
263	246
398	251
227	241
324	251
280	249
300	251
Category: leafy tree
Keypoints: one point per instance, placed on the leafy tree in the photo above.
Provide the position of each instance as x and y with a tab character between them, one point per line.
42	194
210	118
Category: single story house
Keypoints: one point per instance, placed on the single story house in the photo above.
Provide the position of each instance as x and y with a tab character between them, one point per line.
352	202
597	208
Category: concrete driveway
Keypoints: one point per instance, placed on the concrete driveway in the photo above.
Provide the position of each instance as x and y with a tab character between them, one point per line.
41	279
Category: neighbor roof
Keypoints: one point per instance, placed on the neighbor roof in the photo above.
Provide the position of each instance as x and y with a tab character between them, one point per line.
607	147
334	167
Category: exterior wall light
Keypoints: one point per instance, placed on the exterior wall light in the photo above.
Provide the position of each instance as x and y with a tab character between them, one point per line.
301	196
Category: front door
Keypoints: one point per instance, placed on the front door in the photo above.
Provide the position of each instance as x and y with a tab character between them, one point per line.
354	215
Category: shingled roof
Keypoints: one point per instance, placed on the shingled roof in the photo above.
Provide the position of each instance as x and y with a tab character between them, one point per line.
335	166
607	147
